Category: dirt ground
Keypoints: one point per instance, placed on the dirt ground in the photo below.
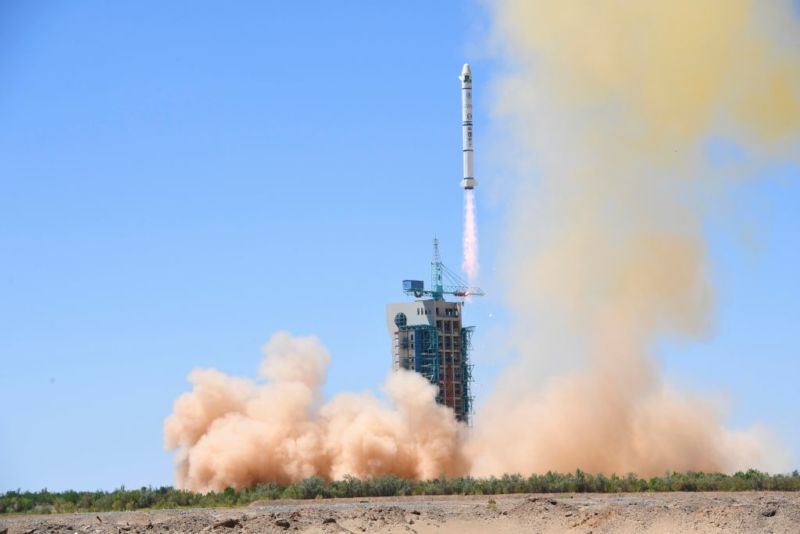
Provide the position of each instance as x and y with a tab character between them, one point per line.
583	513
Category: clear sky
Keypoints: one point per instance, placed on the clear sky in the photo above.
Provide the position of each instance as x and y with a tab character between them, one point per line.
179	180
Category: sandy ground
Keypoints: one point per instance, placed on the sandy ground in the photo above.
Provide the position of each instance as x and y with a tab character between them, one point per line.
584	513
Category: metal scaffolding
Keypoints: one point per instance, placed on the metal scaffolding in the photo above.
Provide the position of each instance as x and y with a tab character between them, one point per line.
424	358
466	370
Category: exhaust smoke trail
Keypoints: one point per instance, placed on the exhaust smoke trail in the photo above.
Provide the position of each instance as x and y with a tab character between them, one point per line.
470	241
610	104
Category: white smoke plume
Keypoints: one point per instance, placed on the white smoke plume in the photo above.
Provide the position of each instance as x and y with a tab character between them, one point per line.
238	432
470	241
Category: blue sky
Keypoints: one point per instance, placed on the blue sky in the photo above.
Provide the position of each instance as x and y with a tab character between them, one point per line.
179	180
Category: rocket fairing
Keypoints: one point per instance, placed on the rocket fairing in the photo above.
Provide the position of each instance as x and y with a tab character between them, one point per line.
469	181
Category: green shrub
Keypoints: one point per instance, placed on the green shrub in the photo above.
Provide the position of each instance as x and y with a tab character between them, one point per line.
70	501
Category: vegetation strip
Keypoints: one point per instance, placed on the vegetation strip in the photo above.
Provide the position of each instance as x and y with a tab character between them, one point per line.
122	499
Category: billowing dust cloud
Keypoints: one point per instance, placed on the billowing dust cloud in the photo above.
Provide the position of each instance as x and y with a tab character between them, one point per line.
236	432
608	107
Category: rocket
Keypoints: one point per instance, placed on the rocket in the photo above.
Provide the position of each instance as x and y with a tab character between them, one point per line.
469	181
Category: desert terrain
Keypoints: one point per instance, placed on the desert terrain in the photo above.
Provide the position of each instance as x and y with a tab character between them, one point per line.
638	512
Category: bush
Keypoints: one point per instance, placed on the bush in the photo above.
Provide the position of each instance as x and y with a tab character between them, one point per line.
315	487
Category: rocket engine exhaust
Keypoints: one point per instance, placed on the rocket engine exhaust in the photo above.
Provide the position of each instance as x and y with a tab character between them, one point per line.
470	244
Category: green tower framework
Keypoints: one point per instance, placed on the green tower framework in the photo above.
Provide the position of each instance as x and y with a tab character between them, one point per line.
428	336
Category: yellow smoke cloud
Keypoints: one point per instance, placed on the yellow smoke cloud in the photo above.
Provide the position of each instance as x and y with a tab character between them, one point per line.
609	105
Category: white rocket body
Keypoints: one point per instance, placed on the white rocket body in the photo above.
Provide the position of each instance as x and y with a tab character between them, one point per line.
469	181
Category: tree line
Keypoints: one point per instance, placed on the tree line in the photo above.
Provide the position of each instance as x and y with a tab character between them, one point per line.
45	501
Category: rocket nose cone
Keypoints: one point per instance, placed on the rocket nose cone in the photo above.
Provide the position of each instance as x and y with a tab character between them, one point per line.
466	74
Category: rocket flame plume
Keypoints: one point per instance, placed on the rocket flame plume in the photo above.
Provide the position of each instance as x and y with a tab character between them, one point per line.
470	244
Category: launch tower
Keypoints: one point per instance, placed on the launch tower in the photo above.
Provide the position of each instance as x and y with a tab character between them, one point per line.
428	335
